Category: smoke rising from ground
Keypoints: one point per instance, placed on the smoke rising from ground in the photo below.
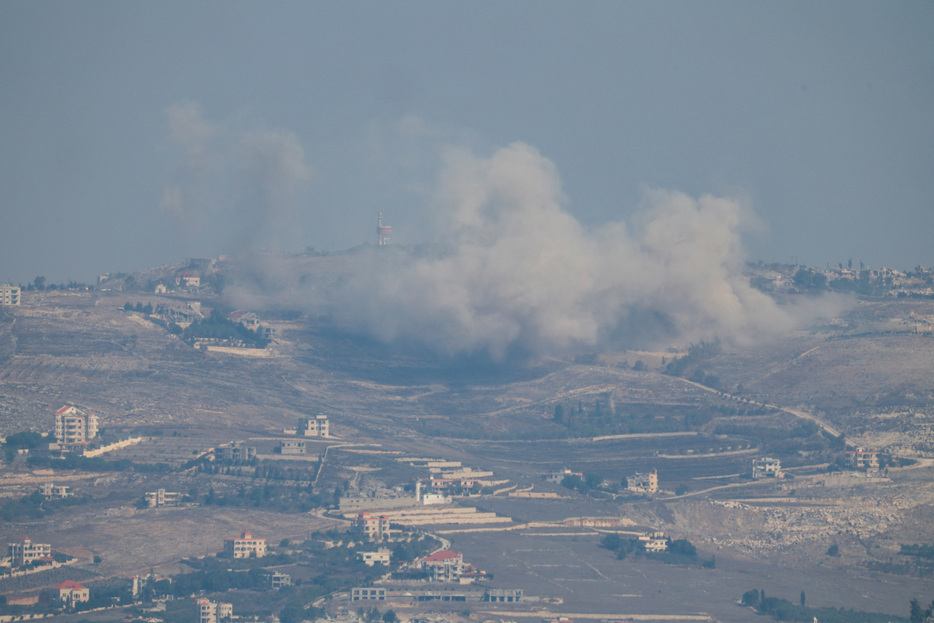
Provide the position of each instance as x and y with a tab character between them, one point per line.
513	271
235	186
507	268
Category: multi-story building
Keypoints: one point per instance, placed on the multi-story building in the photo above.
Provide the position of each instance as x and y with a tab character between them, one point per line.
51	491
245	547
25	551
766	467
236	453
161	497
276	580
861	458
655	542
213	611
9	294
444	566
373	528
313	426
74	426
643	483
71	593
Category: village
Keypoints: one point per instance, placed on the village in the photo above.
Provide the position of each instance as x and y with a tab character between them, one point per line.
391	530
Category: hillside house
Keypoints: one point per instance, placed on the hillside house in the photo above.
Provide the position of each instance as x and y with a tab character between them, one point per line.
861	458
235	453
313	426
9	294
71	593
213	611
643	483
373	528
654	542
381	556
161	497
24	551
559	476
449	566
246	546
74	427
52	492
276	580
766	467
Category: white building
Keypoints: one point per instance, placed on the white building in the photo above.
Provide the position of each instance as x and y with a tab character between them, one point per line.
655	542
381	556
25	551
74	426
51	491
213	611
9	294
313	426
161	497
766	467
246	546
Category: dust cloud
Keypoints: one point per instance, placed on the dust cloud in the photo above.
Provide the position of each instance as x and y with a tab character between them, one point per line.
506	268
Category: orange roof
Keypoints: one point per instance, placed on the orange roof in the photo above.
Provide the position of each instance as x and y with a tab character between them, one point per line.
72	585
444	554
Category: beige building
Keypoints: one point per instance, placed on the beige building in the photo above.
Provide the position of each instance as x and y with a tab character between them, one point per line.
245	547
71	593
313	426
9	294
25	551
74	426
861	458
643	483
213	611
51	491
373	528
655	542
161	497
382	556
766	467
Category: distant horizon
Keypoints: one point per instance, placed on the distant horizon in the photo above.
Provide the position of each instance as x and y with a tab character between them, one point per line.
134	134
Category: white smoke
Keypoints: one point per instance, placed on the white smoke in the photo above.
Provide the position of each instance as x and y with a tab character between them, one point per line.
235	187
513	270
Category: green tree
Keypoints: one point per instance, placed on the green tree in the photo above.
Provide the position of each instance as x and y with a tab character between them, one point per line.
390	617
751	598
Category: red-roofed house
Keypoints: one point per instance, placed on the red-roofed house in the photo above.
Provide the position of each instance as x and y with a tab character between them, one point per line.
74	426
71	593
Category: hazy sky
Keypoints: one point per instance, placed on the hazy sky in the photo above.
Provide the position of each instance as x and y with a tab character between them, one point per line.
135	134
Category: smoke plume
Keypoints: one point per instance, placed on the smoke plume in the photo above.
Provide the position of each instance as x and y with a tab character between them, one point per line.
235	188
513	271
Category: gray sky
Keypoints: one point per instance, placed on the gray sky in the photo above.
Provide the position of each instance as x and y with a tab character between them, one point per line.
138	134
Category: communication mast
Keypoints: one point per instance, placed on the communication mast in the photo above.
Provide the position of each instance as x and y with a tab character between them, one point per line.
382	231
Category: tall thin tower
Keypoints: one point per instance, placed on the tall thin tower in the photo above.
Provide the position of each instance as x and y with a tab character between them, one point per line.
382	231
